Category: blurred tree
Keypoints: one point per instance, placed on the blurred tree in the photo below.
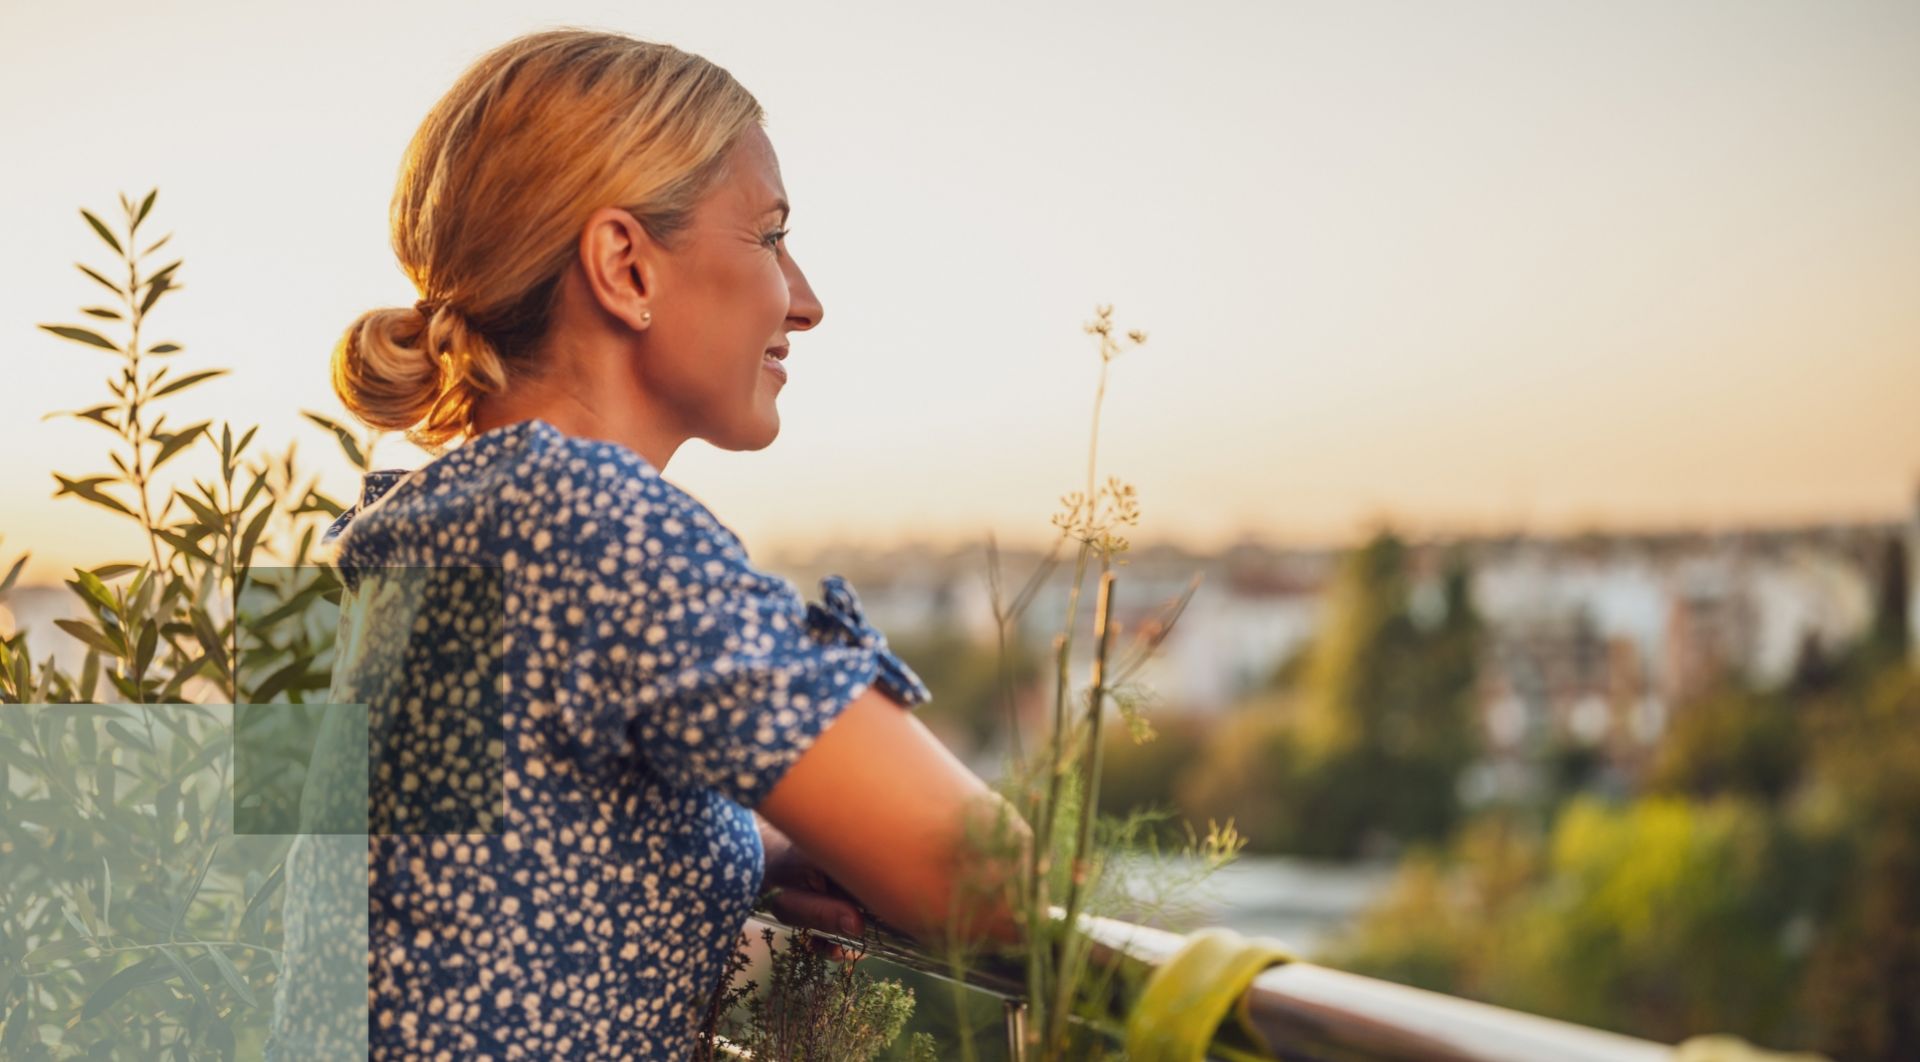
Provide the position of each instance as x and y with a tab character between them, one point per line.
1141	775
1347	705
1814	668
1447	923
1386	719
1890	616
1771	890
1863	801
1661	917
1733	740
1287	674
1362	752
1572	768
963	674
1247	771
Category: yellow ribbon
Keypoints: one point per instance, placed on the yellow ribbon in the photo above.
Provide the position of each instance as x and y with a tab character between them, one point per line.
1185	1000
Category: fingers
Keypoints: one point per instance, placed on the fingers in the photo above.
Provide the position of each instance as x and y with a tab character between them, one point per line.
796	872
828	949
821	913
816	910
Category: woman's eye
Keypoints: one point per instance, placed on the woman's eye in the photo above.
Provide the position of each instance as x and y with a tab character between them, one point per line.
775	237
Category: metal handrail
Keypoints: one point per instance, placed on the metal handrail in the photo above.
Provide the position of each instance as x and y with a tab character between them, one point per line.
1312	1011
1309	1011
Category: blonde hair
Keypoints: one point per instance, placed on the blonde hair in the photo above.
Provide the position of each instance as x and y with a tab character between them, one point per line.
494	190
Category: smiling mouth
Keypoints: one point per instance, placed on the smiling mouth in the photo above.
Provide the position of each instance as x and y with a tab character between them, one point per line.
771	361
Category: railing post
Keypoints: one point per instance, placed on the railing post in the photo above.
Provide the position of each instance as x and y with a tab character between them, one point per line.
1016	1018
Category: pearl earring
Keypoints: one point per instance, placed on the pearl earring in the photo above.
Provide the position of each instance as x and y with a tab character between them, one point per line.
646	317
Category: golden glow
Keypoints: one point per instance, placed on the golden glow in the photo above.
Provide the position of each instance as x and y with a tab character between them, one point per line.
1486	267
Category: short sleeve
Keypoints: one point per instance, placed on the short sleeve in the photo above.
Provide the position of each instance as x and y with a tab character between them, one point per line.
733	675
839	620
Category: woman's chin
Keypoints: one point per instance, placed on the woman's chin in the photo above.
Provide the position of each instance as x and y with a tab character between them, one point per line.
756	437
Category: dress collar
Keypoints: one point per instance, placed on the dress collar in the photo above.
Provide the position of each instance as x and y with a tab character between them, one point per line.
372	488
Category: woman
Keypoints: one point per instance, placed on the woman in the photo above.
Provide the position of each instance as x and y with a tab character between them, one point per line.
579	691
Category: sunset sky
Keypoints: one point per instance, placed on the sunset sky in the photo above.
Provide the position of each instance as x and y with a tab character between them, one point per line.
1464	266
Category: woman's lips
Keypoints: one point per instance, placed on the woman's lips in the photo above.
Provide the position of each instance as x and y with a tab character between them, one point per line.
771	361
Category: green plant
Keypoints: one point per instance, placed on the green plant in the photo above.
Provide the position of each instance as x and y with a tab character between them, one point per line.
1064	870
814	1008
135	922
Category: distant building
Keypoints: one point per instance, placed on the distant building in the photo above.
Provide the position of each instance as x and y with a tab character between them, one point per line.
1913	578
1710	628
1235	632
1592	640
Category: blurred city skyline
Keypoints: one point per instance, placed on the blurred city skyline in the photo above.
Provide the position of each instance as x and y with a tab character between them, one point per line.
1492	268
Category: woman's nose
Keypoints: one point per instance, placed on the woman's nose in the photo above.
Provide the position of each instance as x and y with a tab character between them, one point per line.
803	306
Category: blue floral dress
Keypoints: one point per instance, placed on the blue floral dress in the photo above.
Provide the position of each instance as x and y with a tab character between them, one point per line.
572	705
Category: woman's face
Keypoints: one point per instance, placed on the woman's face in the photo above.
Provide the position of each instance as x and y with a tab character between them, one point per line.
728	295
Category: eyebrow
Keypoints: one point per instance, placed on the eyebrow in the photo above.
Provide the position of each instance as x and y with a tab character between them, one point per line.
780	205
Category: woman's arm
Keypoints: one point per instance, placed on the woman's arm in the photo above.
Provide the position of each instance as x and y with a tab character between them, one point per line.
803	893
887	811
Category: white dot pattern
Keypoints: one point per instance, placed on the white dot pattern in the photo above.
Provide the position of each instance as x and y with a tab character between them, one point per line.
656	686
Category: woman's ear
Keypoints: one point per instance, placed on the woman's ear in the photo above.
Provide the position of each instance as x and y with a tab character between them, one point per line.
621	265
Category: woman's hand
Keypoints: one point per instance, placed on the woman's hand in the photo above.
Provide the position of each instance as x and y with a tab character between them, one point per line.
803	895
893	815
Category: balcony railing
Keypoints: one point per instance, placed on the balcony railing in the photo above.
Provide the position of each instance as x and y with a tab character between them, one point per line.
1311	1012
